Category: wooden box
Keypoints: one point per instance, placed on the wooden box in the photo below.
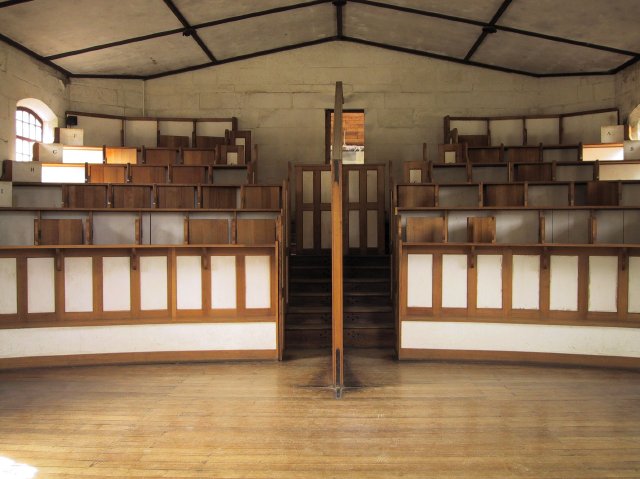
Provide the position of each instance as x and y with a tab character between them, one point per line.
6	194
47	152
69	136
22	171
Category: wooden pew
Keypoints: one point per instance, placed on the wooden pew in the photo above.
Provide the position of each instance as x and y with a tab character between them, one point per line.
86	196
198	156
132	196
219	197
58	232
160	156
206	231
120	155
260	197
481	229
143	174
176	197
426	230
255	231
189	174
115	173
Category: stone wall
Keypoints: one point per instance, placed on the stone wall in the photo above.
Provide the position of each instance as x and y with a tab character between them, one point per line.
628	90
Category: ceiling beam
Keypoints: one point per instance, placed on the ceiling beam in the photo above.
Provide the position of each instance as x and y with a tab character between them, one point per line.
10	3
34	55
488	29
339	17
189	31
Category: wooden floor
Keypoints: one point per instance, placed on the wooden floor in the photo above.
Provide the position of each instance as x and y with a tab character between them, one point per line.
257	420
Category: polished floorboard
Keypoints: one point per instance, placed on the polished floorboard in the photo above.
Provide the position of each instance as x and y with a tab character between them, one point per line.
280	420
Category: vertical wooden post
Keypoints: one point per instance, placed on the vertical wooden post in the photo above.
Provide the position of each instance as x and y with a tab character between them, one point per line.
336	248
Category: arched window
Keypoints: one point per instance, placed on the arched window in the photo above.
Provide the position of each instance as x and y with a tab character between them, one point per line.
28	131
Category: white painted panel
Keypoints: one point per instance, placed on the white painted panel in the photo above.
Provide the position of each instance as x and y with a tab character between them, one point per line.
8	286
100	131
17	228
114	228
307	229
454	280
78	285
232	158
257	281
415	176
139	133
80	154
372	186
419	280
603	283
506	132
372	229
153	282
213	128
41	286
449	156
588	340
542	130
176	128
49	196
354	229
189	282
610	153
469	127
223	282
166	228
354	186
240	142
617	171
325	186
116	284
489	281
325	233
634	284
307	186
63	174
137	338
525	284
564	283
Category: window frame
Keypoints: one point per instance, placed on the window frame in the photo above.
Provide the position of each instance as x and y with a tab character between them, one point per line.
39	122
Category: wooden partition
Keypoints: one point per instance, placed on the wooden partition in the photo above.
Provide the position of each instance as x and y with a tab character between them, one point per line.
572	304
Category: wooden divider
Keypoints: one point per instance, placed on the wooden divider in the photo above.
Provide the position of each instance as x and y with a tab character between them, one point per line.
337	305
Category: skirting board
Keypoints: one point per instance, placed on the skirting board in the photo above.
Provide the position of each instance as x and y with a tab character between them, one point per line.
510	357
137	358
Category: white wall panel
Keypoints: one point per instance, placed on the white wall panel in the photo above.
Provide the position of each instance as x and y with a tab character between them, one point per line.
223	282
454	280
137	338
41	285
78	285
8	286
634	284
153	282
489	281
506	132
139	133
307	229
419	280
543	130
189	282
257	281
116	284
354	229
213	128
588	340
372	229
564	283
603	283
525	282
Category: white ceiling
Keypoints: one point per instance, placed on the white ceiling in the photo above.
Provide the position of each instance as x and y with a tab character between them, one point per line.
150	38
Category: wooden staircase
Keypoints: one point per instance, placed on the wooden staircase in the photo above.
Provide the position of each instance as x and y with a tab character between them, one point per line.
368	312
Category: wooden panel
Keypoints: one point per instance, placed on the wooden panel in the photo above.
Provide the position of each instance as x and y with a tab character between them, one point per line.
242	138
425	230
160	156
231	155
602	193
176	196
261	197
481	230
414	172
208	231
60	231
411	196
219	197
524	154
107	173
144	174
200	156
452	153
504	195
489	154
210	142
535	172
474	140
173	141
132	196
86	196
256	231
120	155
189	175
